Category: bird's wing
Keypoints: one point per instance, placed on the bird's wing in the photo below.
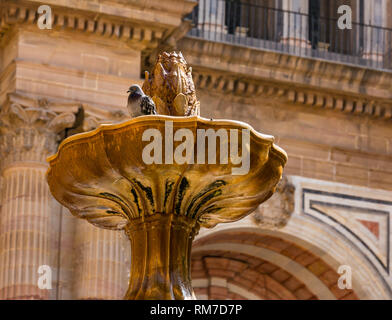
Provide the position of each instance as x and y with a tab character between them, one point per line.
147	105
147	100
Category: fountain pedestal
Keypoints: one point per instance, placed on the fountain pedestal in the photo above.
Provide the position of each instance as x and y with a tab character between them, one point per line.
161	272
101	176
109	177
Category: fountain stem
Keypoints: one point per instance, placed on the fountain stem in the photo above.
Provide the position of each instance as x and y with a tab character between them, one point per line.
160	263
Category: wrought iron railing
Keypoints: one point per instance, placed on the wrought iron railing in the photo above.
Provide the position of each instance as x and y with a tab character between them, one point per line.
297	33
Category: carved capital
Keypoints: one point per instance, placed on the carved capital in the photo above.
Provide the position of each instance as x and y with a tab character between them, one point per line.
92	121
30	133
276	212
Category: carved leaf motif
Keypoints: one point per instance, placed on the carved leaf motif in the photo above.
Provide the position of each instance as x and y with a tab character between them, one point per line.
90	123
62	121
17	114
160	105
180	104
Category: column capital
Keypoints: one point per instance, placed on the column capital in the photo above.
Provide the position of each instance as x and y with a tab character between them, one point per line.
29	129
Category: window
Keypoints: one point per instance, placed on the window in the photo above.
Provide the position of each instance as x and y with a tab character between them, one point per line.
253	18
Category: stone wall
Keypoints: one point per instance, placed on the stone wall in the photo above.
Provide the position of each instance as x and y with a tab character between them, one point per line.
321	144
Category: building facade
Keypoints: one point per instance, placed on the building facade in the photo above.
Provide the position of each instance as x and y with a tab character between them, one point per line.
284	67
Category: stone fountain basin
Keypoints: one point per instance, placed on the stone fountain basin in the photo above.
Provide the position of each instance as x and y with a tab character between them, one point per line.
162	197
101	175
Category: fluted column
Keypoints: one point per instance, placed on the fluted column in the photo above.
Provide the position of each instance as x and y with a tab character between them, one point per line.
28	136
211	17
101	257
101	262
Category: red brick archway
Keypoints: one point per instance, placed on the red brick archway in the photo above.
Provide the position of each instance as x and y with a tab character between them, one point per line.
224	274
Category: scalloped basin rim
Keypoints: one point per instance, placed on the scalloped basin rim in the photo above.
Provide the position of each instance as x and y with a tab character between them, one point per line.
149	118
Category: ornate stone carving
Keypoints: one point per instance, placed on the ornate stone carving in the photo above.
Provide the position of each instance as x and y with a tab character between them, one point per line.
119	115
276	212
30	133
90	123
171	86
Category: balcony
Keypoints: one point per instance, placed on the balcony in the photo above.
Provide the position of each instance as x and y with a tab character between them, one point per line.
295	33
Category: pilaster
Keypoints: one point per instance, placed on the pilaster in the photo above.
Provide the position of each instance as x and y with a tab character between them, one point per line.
27	136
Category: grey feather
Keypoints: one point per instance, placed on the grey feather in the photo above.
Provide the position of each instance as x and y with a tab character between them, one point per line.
138	103
147	105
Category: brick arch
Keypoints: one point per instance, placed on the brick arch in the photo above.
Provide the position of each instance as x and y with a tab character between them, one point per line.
312	263
224	272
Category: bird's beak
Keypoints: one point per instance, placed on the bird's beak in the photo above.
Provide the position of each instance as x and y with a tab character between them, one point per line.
128	91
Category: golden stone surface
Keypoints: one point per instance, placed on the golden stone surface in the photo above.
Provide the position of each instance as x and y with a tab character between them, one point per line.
101	176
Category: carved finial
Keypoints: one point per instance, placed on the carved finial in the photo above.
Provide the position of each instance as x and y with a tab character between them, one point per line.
171	86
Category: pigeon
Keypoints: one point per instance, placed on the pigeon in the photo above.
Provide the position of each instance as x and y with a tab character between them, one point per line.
139	104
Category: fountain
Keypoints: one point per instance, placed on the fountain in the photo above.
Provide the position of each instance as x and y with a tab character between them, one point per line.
134	176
